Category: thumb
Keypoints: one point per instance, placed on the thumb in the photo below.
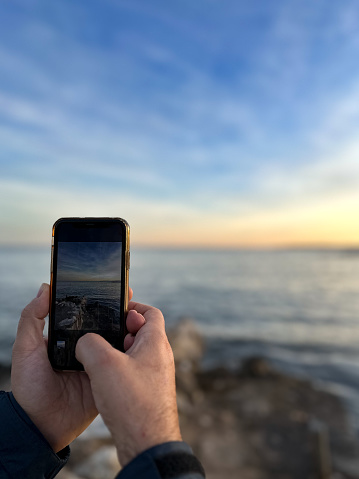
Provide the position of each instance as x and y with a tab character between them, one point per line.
31	324
97	355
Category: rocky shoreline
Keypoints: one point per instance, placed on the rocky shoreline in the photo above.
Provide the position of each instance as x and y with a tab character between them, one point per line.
74	313
70	313
250	422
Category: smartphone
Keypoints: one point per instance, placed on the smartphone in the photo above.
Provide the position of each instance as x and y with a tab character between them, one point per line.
90	261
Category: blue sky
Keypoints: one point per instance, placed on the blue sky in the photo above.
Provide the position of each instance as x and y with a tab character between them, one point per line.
211	123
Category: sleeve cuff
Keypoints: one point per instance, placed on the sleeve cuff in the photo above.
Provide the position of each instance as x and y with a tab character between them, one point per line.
24	452
165	461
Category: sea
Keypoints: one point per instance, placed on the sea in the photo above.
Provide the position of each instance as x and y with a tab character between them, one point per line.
104	292
299	309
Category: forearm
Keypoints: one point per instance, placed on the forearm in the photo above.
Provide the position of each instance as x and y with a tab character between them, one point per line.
24	452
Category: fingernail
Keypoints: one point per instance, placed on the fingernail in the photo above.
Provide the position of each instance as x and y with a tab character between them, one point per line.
39	293
137	313
143	318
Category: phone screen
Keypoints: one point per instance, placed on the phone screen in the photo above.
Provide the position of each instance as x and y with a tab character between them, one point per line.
89	285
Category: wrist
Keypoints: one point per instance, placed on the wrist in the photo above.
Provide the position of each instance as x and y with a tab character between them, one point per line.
24	436
42	425
128	450
168	460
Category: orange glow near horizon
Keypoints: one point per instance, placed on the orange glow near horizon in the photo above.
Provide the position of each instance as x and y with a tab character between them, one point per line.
316	223
247	233
326	224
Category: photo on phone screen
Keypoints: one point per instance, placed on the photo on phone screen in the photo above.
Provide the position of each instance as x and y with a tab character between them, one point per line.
89	285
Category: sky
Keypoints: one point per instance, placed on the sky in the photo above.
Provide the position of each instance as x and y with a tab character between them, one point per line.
217	123
89	261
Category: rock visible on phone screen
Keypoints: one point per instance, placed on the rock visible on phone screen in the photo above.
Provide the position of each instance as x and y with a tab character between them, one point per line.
70	312
102	464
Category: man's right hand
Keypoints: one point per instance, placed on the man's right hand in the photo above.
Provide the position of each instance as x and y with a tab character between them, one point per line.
134	391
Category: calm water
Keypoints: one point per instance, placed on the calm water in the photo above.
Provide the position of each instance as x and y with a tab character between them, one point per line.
298	308
104	292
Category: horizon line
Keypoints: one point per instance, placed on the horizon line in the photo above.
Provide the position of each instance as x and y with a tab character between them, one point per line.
206	247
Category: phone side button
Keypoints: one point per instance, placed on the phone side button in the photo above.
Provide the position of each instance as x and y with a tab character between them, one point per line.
128	260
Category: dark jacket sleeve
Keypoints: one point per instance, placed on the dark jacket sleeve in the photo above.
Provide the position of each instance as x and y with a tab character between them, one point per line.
166	461
24	452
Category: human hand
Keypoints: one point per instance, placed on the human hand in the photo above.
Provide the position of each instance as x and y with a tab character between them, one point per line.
134	391
60	404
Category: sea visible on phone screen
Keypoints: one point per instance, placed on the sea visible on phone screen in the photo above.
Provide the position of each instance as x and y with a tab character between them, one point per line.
88	286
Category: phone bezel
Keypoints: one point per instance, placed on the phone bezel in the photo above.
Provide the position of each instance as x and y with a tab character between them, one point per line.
115	339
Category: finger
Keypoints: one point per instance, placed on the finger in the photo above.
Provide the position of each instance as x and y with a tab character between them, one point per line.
128	341
152	315
96	354
130	293
31	324
151	338
134	321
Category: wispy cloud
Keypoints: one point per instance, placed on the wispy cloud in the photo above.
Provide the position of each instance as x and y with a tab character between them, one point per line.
179	113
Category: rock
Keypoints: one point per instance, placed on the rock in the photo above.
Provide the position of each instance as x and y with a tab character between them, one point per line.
187	344
257	367
267	418
96	430
249	423
102	464
65	473
70	312
254	422
188	348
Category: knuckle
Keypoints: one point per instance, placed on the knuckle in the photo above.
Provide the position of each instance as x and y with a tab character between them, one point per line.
26	312
159	314
158	311
30	310
167	349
